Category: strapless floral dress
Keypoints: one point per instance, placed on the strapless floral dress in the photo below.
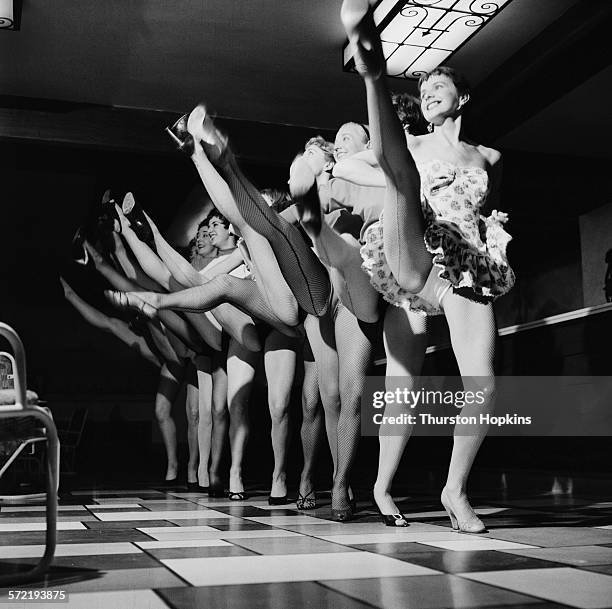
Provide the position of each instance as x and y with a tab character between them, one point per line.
469	250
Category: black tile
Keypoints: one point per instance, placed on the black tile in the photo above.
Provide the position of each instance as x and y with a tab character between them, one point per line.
78	536
126	524
466	562
105	562
260	596
202	552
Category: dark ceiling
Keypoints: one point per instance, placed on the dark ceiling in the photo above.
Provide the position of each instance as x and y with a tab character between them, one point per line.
272	61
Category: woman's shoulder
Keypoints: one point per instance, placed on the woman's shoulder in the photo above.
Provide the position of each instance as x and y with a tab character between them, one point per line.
492	156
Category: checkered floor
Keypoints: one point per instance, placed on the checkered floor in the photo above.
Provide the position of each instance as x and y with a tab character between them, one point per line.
149	548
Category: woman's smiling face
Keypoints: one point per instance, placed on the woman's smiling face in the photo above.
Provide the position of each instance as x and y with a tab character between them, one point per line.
439	98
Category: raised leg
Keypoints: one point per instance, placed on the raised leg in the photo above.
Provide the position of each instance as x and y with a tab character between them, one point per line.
403	223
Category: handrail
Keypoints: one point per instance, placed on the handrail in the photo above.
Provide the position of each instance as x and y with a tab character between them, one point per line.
530	325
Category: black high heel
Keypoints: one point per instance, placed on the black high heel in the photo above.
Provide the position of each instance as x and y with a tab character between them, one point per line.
108	220
390	520
138	221
181	137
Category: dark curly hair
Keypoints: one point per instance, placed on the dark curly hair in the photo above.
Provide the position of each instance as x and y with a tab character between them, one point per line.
408	110
457	78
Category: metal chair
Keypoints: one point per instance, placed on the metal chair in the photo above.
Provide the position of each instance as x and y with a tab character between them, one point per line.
24	425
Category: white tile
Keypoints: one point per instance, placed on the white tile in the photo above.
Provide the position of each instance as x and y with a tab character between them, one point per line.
69	549
484	511
400	535
290	568
204	532
187	543
41	508
40	526
113	506
166	515
565	585
282	520
130	599
468	543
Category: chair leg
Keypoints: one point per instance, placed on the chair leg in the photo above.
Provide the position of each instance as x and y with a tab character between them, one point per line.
52	485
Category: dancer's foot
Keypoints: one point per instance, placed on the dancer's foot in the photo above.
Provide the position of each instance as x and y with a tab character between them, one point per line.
68	291
384	501
463	517
172	472
192	476
236	485
303	188
79	253
138	222
389	512
94	254
279	486
141	301
357	18
343	507
180	136
201	127
108	220
307	499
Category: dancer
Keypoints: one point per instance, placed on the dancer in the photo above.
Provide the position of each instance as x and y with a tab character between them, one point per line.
284	264
455	178
341	344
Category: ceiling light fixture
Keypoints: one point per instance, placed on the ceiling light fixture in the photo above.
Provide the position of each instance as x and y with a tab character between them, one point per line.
10	14
419	35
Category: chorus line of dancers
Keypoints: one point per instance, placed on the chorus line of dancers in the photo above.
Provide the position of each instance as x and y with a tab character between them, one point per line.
387	222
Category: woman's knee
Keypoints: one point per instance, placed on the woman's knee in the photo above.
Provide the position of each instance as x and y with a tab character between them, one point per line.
279	409
162	411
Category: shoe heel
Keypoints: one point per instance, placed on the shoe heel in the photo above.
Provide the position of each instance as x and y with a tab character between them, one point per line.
342	515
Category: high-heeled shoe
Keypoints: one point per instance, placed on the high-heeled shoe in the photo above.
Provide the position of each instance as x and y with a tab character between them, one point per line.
307	502
202	128
474	526
391	520
108	220
277	500
79	253
124	301
342	515
180	136
138	222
